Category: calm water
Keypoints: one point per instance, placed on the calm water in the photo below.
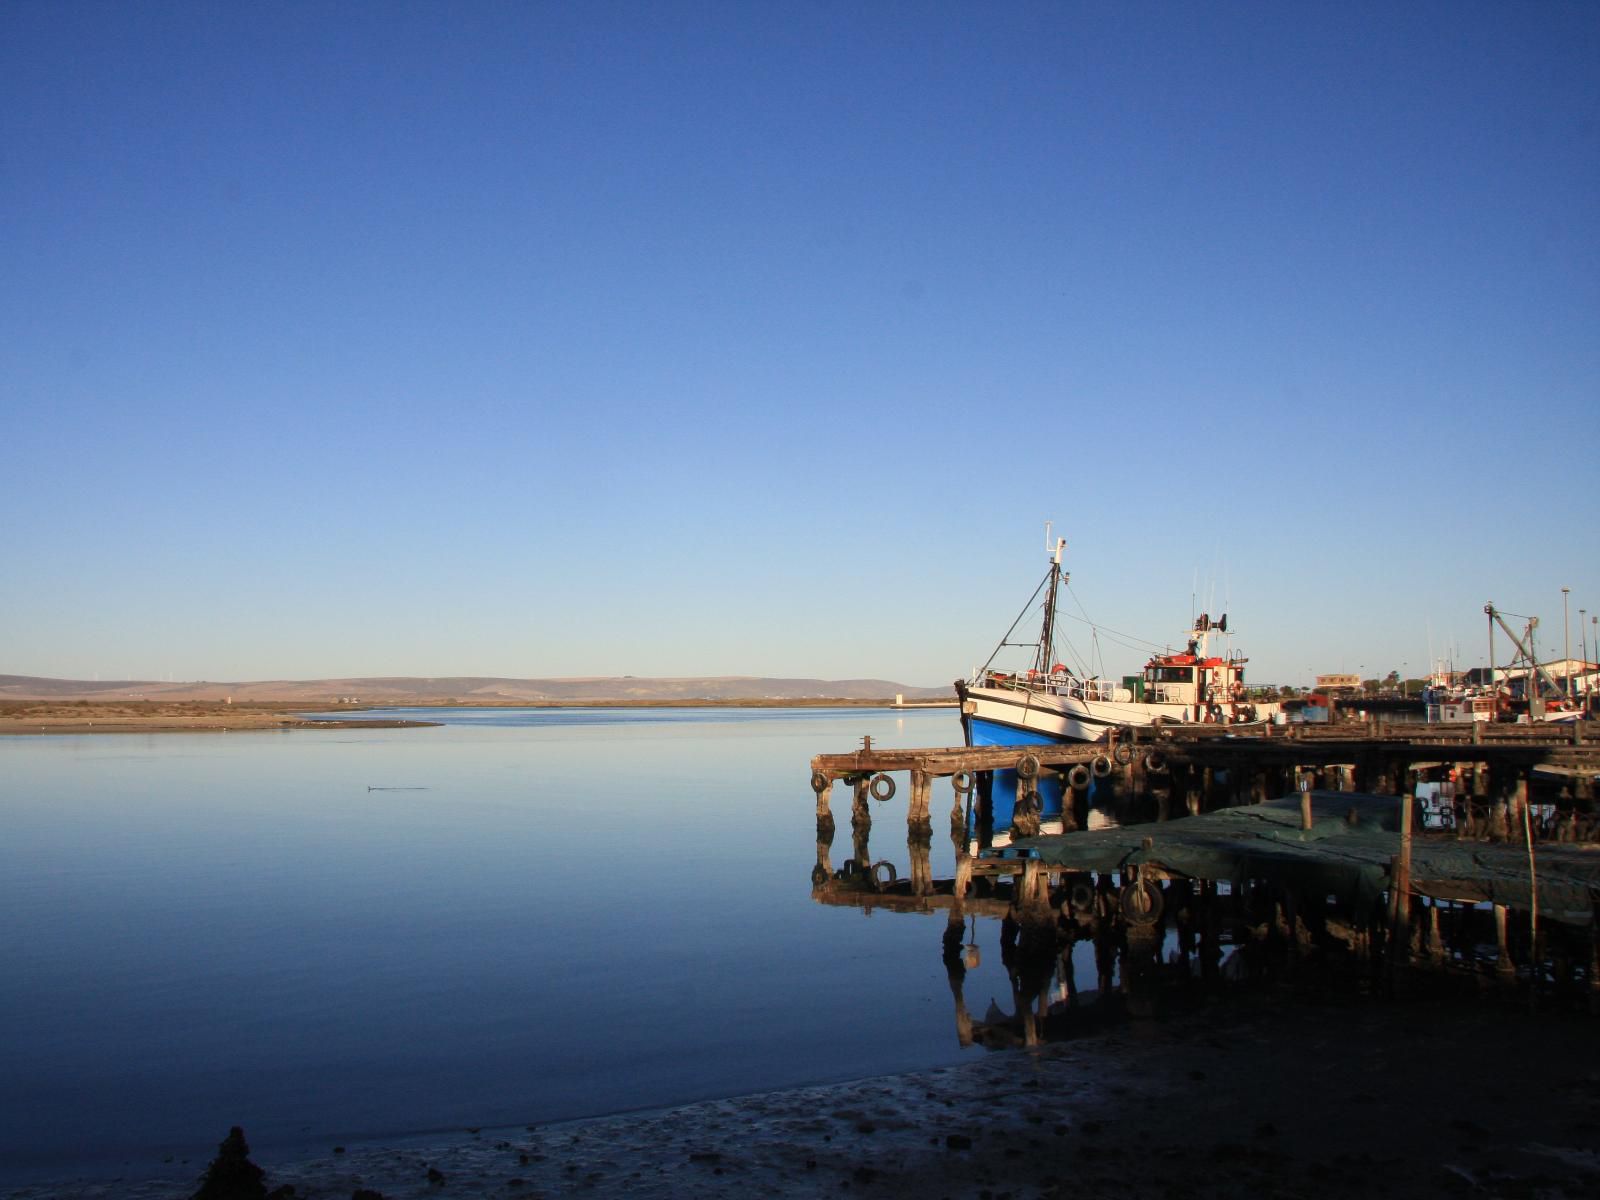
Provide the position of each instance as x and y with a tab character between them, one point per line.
520	916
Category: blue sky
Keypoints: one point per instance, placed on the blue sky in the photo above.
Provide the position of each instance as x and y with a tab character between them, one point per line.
536	339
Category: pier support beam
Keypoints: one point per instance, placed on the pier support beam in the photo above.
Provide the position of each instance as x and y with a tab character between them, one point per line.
861	823
824	868
958	819
919	824
825	813
1025	816
1504	967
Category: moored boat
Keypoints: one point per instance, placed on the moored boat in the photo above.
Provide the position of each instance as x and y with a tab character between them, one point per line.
1047	702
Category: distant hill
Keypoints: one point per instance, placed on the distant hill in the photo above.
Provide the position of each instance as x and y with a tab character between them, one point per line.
471	689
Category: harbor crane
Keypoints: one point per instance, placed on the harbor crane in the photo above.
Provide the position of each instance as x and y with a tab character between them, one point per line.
1496	617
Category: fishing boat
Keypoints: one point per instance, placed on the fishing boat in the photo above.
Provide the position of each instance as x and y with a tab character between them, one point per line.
1047	702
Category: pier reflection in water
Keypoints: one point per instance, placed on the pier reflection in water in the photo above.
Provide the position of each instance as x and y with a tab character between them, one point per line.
1074	927
1315	905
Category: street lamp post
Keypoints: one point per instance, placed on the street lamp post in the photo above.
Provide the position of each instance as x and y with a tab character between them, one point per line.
1566	644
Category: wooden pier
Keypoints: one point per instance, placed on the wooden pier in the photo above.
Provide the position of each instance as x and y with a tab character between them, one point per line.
1315	823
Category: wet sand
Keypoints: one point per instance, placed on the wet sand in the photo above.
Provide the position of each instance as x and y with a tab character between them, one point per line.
1257	1098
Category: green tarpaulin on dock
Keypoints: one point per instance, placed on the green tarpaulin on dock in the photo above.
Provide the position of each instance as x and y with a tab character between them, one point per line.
1346	852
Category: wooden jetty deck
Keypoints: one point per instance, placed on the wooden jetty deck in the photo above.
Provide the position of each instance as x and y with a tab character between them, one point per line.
1318	818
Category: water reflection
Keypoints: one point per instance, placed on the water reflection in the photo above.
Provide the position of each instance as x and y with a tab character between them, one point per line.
1069	962
196	925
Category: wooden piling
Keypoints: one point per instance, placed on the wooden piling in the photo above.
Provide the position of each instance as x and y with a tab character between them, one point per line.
919	824
861	823
1503	966
1400	885
825	812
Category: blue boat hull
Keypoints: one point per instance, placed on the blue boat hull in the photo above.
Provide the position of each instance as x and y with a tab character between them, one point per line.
1004	800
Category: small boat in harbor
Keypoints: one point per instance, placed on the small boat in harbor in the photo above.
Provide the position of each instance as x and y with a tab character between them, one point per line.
1047	703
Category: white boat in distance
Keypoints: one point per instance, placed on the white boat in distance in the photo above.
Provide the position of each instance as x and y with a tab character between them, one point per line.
1048	703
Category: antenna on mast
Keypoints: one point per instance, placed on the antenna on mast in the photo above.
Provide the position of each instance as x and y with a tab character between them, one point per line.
1053	547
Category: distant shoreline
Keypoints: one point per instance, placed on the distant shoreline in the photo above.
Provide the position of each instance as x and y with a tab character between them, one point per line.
19	717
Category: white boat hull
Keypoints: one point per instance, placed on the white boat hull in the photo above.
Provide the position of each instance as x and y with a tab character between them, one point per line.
1045	716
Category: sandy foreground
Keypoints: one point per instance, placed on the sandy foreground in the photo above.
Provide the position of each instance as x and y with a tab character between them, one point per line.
1255	1100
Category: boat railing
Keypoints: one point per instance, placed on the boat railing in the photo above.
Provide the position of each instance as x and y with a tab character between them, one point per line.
1058	683
1024	681
1094	689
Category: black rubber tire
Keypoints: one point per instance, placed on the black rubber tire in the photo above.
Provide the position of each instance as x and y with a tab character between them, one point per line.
1028	766
1141	903
1154	763
1078	777
819	782
1100	766
881	788
962	781
884	864
1081	897
1122	753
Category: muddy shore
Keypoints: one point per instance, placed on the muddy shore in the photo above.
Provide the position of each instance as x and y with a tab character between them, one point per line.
204	716
1258	1098
185	716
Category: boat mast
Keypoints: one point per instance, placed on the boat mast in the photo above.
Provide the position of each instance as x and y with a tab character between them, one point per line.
1047	636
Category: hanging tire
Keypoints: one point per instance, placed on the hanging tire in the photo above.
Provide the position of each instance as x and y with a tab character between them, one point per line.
962	782
1081	897
819	782
880	870
1100	766
881	787
1028	766
1122	753
1154	762
1141	903
819	875
1078	777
